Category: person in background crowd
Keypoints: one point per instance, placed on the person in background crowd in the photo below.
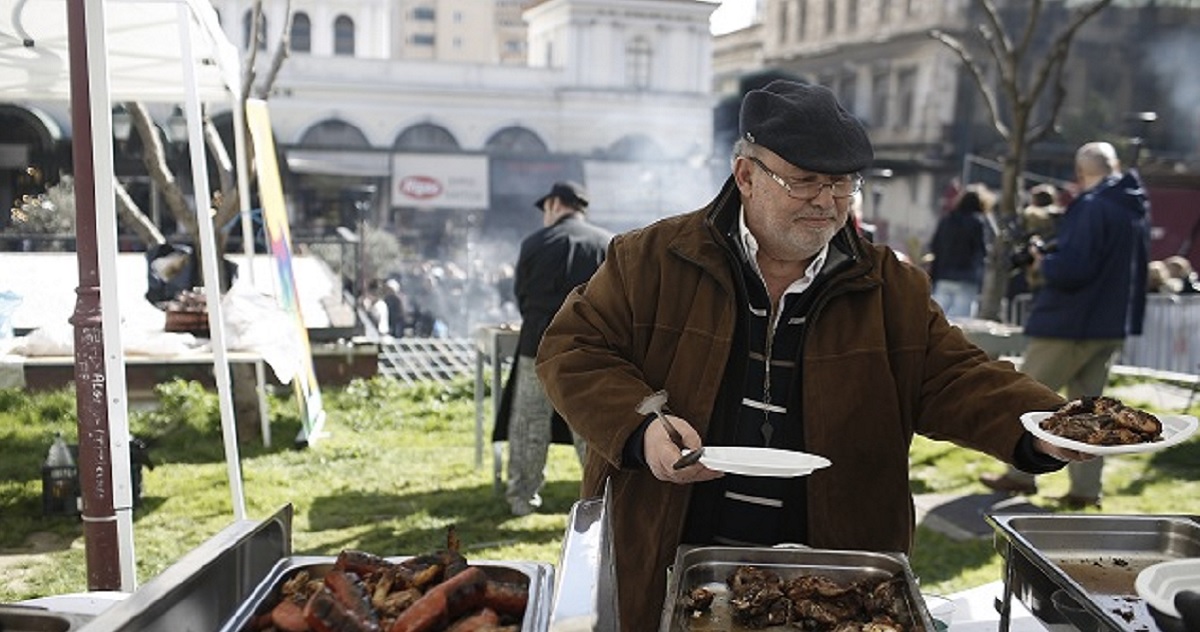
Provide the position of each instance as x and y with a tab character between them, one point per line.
1183	279
1039	224
397	312
376	307
959	249
771	323
1158	279
564	253
1094	296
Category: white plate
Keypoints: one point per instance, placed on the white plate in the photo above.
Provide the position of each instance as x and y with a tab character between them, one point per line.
761	461
1158	583
1176	429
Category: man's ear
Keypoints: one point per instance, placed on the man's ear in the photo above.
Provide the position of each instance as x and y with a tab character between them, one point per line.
742	169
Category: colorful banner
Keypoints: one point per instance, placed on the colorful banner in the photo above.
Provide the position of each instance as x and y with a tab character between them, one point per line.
279	240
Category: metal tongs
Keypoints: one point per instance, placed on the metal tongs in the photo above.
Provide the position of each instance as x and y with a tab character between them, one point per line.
654	404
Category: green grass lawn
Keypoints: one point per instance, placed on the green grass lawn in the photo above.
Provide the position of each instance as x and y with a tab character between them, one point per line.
397	468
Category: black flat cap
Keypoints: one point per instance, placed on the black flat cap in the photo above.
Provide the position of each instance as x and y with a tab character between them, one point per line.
805	125
571	193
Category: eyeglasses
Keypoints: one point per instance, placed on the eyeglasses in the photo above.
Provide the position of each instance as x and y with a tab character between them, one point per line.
842	188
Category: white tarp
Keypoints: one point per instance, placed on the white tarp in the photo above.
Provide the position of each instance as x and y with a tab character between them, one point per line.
144	57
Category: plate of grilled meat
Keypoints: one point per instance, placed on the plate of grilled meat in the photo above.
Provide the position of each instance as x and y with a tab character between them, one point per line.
1104	425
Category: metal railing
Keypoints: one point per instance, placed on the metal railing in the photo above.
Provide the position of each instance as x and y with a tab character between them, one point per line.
417	359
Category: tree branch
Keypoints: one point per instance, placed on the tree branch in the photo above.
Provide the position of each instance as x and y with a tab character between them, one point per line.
989	96
133	217
154	158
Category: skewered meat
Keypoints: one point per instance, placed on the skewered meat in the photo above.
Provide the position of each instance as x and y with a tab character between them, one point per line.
1103	421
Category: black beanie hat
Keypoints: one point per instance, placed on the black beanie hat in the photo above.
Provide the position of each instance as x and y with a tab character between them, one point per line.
806	126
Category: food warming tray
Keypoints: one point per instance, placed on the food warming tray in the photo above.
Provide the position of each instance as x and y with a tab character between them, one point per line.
536	577
1080	569
710	566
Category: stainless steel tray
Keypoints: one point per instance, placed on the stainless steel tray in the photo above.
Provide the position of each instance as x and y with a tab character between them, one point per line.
537	577
710	566
1080	569
19	618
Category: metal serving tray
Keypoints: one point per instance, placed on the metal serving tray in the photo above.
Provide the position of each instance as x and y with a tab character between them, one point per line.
1080	569
20	618
536	577
710	566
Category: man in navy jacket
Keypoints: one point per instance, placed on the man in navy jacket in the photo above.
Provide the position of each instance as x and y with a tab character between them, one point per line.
1094	296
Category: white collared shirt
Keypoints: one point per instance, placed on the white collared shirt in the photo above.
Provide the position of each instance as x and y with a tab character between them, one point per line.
750	249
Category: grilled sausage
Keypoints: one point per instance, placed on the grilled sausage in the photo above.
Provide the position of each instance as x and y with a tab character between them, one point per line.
444	603
506	598
324	612
288	616
481	621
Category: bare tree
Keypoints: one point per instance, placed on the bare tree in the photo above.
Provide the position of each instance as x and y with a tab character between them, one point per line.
225	199
1022	73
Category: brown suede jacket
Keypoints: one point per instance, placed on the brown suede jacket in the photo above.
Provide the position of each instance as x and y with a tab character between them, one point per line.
880	363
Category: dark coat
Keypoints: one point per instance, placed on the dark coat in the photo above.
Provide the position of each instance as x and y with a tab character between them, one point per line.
880	363
553	260
959	248
1095	278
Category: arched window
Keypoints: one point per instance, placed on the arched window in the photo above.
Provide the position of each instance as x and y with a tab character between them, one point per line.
343	36
248	32
635	147
426	136
637	63
301	33
334	133
516	140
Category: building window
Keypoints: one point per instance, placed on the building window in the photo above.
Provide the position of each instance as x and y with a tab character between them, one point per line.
848	89
885	8
422	39
426	136
852	15
248	32
879	99
301	33
343	36
424	13
458	17
801	19
637	63
830	16
516	140
906	97
785	11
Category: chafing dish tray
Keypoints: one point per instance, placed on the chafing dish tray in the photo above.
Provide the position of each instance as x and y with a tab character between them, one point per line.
536	577
710	566
1080	569
20	618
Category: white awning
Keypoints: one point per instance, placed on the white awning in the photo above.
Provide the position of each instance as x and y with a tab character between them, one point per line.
338	163
144	61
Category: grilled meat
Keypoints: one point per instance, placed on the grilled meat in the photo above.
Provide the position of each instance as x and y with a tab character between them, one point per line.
1103	421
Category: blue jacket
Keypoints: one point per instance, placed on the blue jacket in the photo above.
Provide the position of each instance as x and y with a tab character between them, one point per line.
1096	277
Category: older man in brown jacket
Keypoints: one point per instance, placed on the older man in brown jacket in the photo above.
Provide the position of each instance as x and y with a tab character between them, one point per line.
771	323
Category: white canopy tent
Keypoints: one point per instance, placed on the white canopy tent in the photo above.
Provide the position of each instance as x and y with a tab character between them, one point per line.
166	51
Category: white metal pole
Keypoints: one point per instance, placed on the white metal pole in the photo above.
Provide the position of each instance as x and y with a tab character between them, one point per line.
209	261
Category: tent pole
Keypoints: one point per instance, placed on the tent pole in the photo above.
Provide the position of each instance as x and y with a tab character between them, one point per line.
209	260
99	520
